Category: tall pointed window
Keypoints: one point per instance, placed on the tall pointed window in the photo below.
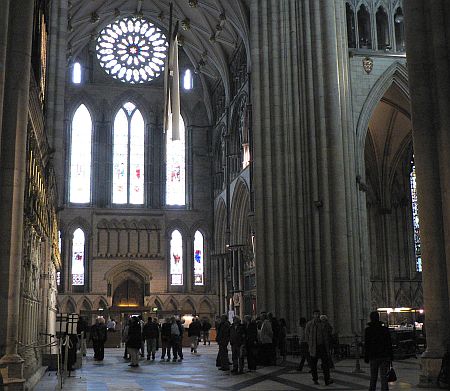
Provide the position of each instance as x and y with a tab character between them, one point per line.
199	252
382	30
188	81
80	156
176	168
76	73
176	258
399	27
415	214
78	256
351	28
365	32
128	156
58	273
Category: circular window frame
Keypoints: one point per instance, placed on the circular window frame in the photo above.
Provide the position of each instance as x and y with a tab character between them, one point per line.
132	50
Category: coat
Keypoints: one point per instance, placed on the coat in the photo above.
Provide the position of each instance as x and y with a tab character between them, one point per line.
377	342
266	332
317	333
150	331
134	339
223	333
194	329
237	334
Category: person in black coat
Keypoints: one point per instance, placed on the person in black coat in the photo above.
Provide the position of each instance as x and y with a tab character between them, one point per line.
377	351
206	326
194	331
251	341
223	339
134	340
98	337
150	334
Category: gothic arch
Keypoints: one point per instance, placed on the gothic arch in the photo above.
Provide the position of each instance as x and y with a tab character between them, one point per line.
206	306
116	271
70	306
396	74
220	220
177	225
100	302
240	208
171	304
84	302
83	98
188	305
129	96
79	222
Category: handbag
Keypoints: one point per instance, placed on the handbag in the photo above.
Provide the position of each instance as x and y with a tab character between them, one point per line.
391	376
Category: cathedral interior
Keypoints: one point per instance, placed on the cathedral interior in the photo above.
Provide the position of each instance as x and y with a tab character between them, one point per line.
311	169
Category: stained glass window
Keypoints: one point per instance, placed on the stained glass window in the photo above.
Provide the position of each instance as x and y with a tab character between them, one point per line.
76	73
78	257
132	50
176	258
58	273
176	168
80	156
415	213
128	156
198	258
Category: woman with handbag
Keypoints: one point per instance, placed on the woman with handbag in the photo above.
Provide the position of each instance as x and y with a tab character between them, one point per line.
378	351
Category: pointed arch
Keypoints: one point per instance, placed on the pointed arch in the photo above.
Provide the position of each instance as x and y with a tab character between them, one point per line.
396	74
206	307
128	146
171	304
220	221
188	306
81	136
240	209
70	306
84	303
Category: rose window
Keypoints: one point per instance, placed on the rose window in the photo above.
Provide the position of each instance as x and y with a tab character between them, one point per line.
132	50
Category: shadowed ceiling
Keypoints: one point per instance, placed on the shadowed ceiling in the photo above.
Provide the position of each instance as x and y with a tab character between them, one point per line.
210	30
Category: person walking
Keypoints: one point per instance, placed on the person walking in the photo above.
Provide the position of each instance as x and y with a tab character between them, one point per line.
174	338
223	339
150	334
98	337
194	331
318	344
180	323
206	327
237	339
134	340
82	330
377	351
165	339
304	350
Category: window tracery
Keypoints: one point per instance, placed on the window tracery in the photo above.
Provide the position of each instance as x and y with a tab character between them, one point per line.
132	50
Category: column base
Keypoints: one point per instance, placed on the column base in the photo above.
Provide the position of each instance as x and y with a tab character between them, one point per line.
430	371
11	367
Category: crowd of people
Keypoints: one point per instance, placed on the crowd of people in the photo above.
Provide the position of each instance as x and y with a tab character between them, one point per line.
259	341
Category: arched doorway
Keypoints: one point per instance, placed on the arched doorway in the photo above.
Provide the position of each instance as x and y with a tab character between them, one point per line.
129	291
388	156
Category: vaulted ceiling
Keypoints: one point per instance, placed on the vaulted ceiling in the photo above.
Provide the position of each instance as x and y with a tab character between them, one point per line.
210	30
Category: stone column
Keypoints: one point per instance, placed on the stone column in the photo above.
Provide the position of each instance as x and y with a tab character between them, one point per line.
303	161
428	46
56	85
13	169
4	11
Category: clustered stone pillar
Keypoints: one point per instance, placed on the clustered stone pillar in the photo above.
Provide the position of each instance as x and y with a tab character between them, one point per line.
428	48
303	176
4	13
13	171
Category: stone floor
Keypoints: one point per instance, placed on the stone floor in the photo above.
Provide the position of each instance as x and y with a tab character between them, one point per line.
199	372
